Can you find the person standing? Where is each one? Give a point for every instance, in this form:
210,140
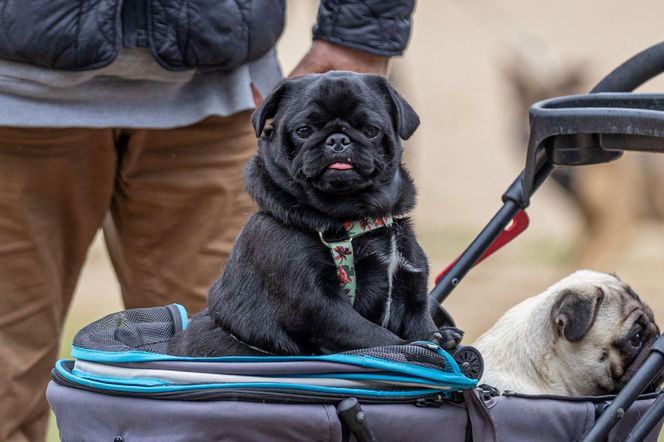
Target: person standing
134,115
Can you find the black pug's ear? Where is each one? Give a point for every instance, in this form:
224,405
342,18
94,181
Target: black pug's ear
575,312
268,108
406,119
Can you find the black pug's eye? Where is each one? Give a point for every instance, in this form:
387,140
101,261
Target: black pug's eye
635,340
304,132
370,131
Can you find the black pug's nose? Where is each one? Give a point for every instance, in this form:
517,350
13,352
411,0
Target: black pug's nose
337,142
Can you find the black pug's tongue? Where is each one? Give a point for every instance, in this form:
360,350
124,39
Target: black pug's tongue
340,166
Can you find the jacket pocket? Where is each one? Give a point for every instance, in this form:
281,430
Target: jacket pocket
213,33
59,34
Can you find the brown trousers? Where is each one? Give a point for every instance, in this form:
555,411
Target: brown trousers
170,201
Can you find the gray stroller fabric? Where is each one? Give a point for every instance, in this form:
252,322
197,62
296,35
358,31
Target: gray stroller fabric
542,419
88,416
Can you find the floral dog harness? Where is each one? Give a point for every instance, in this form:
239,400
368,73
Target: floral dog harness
342,251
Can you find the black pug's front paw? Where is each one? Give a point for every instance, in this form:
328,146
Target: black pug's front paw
447,338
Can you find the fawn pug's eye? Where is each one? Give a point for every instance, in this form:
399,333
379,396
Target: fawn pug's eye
304,132
370,131
636,338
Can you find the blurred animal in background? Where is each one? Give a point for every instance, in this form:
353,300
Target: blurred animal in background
612,199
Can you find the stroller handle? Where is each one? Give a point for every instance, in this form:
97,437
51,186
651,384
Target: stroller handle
597,127
593,128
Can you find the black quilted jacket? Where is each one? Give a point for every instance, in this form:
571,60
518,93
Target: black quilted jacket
181,34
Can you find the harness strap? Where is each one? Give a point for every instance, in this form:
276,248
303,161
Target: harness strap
342,251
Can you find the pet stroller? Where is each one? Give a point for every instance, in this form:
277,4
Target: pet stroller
122,386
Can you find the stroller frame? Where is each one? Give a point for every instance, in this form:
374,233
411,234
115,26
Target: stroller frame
580,130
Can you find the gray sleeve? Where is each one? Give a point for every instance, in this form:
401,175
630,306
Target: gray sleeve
381,27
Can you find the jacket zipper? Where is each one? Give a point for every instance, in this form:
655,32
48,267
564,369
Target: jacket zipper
135,23
142,23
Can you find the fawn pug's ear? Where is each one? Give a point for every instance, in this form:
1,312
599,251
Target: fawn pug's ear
575,312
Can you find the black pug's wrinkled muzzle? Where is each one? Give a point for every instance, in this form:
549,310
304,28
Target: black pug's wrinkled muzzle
343,161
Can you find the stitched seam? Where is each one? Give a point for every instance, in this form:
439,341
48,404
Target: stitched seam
383,42
590,421
329,421
183,13
3,27
108,39
165,10
248,21
187,39
245,22
335,18
79,15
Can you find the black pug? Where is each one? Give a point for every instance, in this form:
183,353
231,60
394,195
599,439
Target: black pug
331,157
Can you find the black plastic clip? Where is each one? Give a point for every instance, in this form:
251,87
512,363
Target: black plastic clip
352,415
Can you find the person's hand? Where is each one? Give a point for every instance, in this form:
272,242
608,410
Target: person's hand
324,56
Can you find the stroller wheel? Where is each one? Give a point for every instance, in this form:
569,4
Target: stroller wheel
470,361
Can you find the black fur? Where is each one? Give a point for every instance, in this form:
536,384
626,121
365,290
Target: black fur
279,292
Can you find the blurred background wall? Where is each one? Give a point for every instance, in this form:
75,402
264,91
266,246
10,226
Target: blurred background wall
471,70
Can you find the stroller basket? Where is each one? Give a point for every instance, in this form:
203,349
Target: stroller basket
122,370
127,352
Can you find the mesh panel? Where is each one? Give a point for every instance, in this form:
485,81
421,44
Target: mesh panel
145,329
406,354
150,329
